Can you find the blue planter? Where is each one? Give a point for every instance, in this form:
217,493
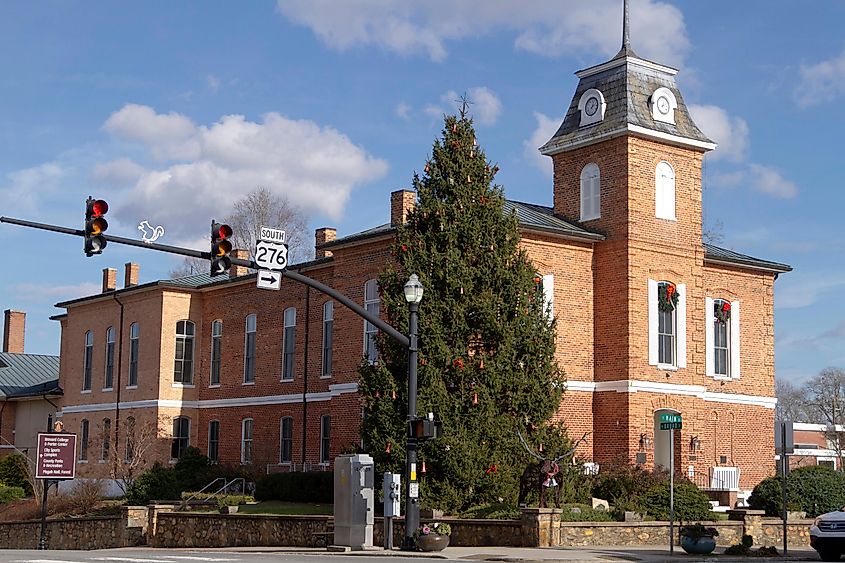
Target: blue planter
702,546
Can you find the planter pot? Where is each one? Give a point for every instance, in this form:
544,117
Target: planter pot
432,542
228,510
702,546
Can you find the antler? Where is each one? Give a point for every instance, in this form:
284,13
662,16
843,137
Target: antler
527,448
574,447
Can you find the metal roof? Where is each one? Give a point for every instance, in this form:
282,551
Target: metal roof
23,375
540,217
717,254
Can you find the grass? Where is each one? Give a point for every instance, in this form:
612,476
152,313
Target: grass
287,508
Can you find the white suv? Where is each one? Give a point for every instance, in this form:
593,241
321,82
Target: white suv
827,535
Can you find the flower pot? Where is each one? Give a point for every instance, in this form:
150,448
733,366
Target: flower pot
701,546
432,542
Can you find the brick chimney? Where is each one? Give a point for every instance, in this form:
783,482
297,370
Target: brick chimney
401,203
14,325
321,237
235,270
130,274
109,279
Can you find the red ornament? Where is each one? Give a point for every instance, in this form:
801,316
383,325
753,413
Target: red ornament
387,449
454,128
726,306
458,363
492,469
481,364
404,248
427,168
475,398
422,469
541,447
393,395
378,394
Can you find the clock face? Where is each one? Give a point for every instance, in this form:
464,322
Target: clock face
592,106
663,105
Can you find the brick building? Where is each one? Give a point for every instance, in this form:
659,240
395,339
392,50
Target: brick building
650,319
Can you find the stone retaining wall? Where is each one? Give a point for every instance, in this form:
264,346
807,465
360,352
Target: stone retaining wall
77,533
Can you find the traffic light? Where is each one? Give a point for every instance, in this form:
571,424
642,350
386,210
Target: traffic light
220,248
95,225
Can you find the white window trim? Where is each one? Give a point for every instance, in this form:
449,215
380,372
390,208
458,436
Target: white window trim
247,332
680,327
587,198
733,351
285,327
735,340
251,441
549,296
211,354
367,302
662,208
673,105
323,342
582,102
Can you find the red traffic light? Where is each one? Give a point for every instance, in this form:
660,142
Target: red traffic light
95,226
223,231
99,207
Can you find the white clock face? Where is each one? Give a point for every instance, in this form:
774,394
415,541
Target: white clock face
592,106
663,105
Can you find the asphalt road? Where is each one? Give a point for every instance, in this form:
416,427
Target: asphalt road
135,555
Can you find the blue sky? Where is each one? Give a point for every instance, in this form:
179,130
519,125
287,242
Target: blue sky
171,111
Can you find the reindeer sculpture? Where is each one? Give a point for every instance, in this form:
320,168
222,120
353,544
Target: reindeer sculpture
540,475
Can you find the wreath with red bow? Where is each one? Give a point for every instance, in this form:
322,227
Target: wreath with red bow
723,312
667,297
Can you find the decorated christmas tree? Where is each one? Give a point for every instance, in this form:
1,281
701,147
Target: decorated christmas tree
487,368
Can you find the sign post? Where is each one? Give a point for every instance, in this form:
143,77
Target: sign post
56,462
671,422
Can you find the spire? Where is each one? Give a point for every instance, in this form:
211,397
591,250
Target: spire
626,50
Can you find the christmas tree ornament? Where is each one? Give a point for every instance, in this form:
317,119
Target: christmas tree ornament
422,469
378,394
388,448
475,398
481,364
541,447
393,395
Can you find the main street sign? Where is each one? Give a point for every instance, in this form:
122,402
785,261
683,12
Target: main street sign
670,421
56,456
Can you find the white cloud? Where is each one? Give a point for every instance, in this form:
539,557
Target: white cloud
803,290
402,110
730,132
546,27
315,167
546,127
484,105
34,292
24,185
821,82
122,172
767,180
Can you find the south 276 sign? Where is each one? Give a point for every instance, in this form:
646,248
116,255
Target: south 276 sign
56,456
271,252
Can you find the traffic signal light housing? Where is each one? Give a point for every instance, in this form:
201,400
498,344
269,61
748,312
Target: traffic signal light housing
95,225
220,248
426,428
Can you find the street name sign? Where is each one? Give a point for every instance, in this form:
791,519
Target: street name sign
268,279
670,421
56,456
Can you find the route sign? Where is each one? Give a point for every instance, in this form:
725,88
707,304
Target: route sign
670,421
271,255
56,456
268,279
272,235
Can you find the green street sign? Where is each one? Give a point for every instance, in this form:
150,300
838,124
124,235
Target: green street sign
670,421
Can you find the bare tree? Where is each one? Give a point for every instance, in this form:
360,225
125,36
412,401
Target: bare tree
714,233
826,395
793,403
128,452
259,208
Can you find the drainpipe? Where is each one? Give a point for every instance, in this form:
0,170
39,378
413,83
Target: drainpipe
305,372
54,405
118,380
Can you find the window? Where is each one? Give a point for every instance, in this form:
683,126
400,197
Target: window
109,380
289,344
371,304
547,285
104,452
83,440
590,193
667,348
183,369
722,338
325,438
89,356
328,322
249,350
665,191
213,440
216,342
129,455
134,336
286,445
246,441
181,436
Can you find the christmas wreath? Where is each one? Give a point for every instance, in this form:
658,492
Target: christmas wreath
723,312
667,297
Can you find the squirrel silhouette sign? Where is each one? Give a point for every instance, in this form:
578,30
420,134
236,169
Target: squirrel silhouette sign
149,233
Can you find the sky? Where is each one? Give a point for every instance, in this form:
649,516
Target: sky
171,111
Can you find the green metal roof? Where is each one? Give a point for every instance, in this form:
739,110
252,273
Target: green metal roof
717,254
23,375
540,217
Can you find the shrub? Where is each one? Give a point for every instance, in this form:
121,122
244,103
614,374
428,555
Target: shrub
583,513
9,494
157,483
620,482
814,489
14,472
494,511
222,499
690,502
310,486
192,470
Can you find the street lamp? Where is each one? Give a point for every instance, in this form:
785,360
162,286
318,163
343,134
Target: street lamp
413,295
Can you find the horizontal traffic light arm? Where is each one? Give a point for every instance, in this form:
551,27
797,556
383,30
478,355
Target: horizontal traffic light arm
295,276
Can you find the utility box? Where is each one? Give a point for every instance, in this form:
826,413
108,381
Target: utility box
353,501
392,490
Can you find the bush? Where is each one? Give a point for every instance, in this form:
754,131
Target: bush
620,482
494,511
14,472
192,470
583,513
814,489
10,494
157,483
690,502
310,486
222,499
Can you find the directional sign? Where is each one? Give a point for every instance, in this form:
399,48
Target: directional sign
56,456
271,235
271,255
268,279
670,421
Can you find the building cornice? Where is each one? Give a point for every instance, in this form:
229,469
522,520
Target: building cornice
551,148
698,391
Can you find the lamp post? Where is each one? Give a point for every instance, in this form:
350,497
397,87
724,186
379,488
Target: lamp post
413,295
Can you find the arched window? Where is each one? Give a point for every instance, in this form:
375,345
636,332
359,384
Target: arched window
722,338
371,304
286,440
183,368
181,436
83,440
214,441
249,349
590,192
216,352
134,338
665,191
108,382
666,324
246,441
328,326
289,344
86,362
104,451
325,438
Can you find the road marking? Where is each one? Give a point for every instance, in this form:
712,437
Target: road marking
196,558
45,561
163,559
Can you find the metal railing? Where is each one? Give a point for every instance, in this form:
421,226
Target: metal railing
718,479
229,487
294,467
